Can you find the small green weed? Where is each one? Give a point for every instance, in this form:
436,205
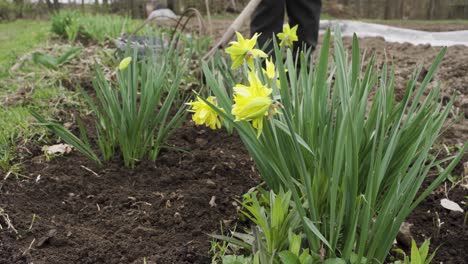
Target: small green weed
418,255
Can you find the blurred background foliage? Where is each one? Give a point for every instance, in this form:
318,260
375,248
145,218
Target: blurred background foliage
373,9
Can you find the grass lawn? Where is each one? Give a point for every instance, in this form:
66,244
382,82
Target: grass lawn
18,38
16,124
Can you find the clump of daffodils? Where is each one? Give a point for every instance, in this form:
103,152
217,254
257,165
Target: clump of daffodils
288,36
253,102
204,114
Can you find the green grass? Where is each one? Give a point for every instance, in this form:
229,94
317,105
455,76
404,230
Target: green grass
17,126
18,38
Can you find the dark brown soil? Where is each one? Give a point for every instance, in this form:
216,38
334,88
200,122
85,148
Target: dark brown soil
160,210
451,234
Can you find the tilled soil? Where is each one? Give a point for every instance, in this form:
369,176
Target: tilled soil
447,229
161,211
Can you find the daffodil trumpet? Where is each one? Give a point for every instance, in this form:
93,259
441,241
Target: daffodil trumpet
204,114
253,102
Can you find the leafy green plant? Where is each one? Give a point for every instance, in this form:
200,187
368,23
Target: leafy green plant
418,255
70,25
233,259
52,62
60,21
73,30
136,115
273,238
103,27
334,135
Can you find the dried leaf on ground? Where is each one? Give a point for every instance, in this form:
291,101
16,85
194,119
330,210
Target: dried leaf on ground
58,149
451,205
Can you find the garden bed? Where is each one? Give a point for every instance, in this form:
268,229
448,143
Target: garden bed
69,211
159,211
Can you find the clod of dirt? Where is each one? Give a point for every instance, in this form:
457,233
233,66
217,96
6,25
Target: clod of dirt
201,141
43,240
177,217
404,236
213,201
211,183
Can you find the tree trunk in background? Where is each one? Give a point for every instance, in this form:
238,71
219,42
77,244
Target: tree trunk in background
465,10
134,9
56,5
401,9
49,5
19,4
430,9
96,5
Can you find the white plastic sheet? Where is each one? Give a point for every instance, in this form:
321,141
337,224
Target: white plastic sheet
395,34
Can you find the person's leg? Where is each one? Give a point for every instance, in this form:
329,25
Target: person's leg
306,14
268,19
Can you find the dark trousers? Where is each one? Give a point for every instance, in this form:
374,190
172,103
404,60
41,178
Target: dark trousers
268,19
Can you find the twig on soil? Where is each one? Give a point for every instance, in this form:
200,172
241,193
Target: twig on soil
29,248
437,225
88,169
32,222
7,220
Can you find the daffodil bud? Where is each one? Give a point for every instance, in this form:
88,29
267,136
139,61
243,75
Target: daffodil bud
124,63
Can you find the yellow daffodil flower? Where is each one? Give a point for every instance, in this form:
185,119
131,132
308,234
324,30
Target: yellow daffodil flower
243,50
270,71
124,63
252,103
288,36
204,114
